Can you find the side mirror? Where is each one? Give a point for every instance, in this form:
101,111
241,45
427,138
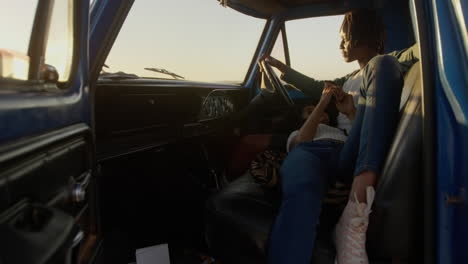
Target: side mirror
49,74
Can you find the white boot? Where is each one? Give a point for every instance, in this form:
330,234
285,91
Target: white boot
350,231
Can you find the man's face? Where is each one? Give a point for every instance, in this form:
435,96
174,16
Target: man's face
346,49
351,53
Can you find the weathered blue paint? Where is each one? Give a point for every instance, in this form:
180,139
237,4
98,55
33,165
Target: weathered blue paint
452,131
26,114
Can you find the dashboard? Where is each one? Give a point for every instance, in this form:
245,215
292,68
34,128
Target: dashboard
134,115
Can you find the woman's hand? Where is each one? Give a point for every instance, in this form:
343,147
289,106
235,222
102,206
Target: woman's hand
327,95
273,62
330,89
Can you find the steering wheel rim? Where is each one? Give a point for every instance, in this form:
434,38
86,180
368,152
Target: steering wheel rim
275,81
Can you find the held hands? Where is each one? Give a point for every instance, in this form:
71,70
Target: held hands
346,105
327,94
344,101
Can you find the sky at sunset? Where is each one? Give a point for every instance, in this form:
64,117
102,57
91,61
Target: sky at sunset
16,18
198,39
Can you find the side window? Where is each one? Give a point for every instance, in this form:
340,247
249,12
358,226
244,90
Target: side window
16,22
314,47
279,50
16,26
177,39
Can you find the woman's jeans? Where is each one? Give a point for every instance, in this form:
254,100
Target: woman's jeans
310,166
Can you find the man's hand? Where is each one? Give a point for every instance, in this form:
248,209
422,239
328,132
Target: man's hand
345,104
273,62
344,101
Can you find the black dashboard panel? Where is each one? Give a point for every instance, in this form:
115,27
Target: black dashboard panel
132,115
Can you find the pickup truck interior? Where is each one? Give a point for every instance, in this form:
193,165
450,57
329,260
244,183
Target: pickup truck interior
163,146
126,124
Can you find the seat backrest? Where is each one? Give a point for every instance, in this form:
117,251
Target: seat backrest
393,227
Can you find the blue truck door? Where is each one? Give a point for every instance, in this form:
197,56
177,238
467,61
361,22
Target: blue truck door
46,139
451,57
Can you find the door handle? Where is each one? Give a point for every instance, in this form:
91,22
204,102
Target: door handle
78,190
77,239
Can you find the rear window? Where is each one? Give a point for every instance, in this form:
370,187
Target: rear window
314,47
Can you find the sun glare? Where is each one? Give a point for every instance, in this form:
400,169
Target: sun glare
13,65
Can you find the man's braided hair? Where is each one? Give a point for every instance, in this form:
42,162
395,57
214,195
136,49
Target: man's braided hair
364,27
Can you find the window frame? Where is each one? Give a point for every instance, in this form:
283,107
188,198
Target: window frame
37,49
280,29
285,43
249,76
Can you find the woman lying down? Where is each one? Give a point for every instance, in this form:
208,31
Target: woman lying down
326,141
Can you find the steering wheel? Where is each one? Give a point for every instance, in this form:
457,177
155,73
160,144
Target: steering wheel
276,83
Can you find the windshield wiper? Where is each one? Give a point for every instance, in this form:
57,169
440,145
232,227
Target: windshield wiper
164,71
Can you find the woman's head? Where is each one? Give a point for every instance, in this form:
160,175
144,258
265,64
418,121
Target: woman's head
363,34
307,110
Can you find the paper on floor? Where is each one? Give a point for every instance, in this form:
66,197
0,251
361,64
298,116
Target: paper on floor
158,254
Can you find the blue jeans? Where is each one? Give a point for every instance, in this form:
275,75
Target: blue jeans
308,168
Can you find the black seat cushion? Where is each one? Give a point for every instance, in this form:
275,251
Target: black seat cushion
240,218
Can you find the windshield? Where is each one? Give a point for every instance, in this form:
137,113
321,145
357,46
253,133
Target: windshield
185,40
